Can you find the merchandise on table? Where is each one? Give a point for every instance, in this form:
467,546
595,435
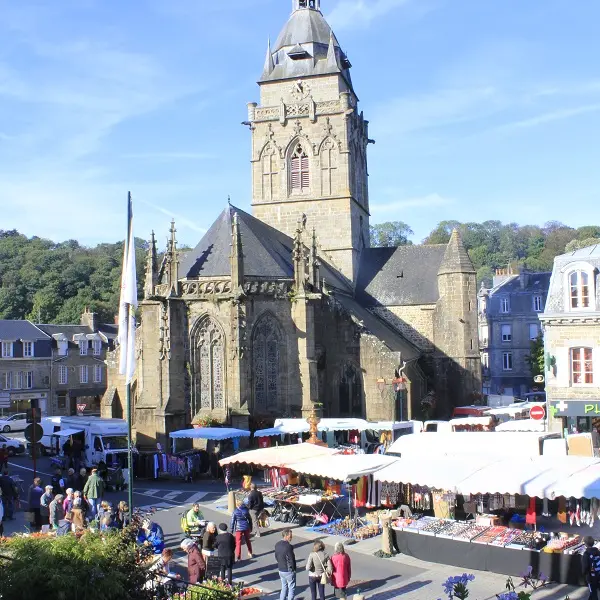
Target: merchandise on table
455,528
489,535
435,527
419,524
506,537
532,540
564,543
404,522
471,532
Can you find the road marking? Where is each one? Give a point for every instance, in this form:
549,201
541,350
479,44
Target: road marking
28,469
157,506
196,497
149,492
172,495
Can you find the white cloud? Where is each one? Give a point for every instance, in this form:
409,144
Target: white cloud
549,117
168,156
360,13
428,201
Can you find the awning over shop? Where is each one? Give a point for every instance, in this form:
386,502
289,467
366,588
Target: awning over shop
210,433
280,456
471,421
67,432
522,425
514,409
343,467
299,426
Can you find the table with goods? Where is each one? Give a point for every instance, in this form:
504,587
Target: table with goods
483,545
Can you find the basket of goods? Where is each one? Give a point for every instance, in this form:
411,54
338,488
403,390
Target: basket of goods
369,531
251,592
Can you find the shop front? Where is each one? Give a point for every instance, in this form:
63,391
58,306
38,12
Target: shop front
18,402
577,416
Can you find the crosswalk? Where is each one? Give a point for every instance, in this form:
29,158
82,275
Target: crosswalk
164,499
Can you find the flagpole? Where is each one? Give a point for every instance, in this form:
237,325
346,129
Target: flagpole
129,443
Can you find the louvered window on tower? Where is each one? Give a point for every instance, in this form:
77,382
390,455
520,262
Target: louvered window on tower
300,179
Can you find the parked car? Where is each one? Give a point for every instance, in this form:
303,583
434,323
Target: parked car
16,422
12,446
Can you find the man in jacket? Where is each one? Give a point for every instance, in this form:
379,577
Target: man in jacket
590,566
256,505
194,518
56,511
93,491
241,525
225,547
286,565
9,495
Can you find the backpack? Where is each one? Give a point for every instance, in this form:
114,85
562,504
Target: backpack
595,564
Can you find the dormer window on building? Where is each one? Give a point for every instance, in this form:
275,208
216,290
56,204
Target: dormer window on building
83,347
7,349
97,347
27,349
299,171
581,289
504,305
62,343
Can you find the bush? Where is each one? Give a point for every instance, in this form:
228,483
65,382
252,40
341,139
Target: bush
93,567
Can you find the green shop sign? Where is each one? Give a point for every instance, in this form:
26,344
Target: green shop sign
575,408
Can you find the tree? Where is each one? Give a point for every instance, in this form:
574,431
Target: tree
578,244
441,234
535,360
390,234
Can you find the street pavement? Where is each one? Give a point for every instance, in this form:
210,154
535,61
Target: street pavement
378,579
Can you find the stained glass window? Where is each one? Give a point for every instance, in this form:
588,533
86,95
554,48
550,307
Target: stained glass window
209,388
268,370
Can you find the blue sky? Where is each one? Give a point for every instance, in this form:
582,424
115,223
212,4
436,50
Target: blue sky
480,110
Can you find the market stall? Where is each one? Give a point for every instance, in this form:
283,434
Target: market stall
471,424
278,456
208,433
522,425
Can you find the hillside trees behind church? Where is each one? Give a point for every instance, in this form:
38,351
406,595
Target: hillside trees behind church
53,282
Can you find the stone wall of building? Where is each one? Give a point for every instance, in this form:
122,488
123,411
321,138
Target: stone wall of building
415,322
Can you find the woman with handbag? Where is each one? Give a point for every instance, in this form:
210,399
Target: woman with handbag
319,570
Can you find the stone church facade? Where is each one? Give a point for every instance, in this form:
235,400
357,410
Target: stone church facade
274,311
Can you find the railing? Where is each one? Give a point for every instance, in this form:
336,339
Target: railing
163,587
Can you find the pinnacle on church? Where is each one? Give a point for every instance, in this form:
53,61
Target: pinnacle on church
456,259
269,65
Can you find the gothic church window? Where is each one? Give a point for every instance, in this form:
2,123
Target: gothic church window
268,365
328,167
350,392
209,356
269,173
299,172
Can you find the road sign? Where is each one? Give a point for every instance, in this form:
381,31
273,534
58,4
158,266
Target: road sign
33,433
537,413
4,399
81,408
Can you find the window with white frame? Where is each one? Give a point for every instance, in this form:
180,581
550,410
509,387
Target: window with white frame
97,373
538,305
63,347
63,375
582,368
7,349
484,333
83,347
7,380
579,289
534,331
97,347
28,380
83,374
504,305
27,349
506,333
18,380
485,360
507,361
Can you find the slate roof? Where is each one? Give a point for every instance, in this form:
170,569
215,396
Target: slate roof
303,27
406,275
535,282
68,330
456,259
20,330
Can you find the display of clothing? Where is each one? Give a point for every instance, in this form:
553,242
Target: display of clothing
373,492
360,493
530,515
561,515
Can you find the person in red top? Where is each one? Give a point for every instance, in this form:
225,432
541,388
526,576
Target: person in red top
342,571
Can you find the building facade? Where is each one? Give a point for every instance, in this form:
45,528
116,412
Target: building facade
508,323
571,322
54,367
274,311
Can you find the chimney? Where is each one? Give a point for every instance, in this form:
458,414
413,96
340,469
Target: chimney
502,275
89,319
523,277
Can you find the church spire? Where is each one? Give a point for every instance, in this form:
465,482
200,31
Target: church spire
332,62
313,4
456,259
237,256
313,262
172,261
269,65
299,257
151,268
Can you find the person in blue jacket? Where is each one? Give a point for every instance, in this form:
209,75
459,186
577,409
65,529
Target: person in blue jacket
152,534
241,526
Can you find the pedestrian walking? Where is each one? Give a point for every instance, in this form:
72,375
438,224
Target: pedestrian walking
68,501
45,500
33,498
342,571
93,491
256,505
10,495
590,566
318,566
241,525
196,567
286,565
225,545
71,481
56,512
77,514
208,539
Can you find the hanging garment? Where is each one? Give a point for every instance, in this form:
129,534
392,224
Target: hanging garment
530,516
264,442
545,509
360,493
373,492
561,515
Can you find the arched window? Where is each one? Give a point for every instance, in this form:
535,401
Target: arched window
328,167
350,390
268,352
269,173
579,289
208,365
582,366
299,173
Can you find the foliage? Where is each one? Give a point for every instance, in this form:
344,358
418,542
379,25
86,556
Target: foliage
528,580
456,587
94,567
391,233
206,422
578,244
213,589
535,360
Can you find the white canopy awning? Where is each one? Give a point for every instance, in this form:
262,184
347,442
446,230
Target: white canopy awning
280,456
514,409
584,484
522,425
284,428
210,433
301,425
471,421
67,432
343,467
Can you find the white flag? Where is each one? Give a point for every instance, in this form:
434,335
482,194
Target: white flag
128,302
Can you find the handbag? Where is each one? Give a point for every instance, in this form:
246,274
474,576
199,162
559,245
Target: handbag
325,577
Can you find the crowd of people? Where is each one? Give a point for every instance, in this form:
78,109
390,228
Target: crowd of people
73,503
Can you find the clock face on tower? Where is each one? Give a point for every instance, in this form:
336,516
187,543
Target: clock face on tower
300,90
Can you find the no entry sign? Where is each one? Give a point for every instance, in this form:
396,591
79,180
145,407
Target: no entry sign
537,413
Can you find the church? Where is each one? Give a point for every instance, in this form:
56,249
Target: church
287,307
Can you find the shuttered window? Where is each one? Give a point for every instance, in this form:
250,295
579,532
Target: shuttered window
300,177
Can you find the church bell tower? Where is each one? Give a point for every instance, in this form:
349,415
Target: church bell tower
309,140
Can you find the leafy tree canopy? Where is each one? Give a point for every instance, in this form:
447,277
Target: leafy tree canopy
391,233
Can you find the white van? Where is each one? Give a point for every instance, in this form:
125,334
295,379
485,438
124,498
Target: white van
49,426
